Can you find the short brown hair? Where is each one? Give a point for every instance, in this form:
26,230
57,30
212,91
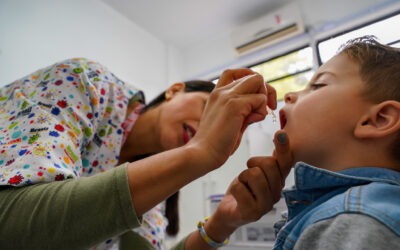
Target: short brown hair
380,71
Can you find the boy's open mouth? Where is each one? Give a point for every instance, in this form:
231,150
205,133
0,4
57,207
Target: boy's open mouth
282,118
188,133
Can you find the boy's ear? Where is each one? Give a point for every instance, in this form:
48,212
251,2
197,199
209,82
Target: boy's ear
174,89
382,120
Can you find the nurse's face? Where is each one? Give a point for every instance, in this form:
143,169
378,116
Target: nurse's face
179,117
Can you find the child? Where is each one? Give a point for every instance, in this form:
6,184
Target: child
344,131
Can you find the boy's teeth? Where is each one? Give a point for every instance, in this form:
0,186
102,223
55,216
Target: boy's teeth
189,132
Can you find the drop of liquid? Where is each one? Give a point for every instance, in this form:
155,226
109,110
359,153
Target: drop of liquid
271,112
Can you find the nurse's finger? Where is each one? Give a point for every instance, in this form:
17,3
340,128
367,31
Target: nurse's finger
230,75
250,84
272,174
283,153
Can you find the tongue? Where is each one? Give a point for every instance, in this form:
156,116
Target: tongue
185,136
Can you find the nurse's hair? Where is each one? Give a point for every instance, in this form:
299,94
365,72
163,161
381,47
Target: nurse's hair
190,86
380,72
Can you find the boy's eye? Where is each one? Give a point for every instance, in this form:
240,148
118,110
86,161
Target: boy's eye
315,86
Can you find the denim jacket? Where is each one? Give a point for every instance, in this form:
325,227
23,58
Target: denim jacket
320,194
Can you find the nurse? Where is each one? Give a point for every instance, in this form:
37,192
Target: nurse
69,173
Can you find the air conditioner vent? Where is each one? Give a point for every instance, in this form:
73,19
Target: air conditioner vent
270,29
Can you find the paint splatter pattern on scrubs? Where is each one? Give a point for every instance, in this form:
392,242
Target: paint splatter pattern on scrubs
61,122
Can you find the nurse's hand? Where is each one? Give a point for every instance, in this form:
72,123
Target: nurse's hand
239,99
254,192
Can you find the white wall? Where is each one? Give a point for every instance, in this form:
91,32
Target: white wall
174,64
37,33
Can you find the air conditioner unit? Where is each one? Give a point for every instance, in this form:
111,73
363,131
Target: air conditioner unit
275,27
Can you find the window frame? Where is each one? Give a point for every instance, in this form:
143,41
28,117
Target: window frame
284,54
353,28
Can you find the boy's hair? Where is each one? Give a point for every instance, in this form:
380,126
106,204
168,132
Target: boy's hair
380,71
379,67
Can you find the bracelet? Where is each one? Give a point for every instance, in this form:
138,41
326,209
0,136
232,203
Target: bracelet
207,239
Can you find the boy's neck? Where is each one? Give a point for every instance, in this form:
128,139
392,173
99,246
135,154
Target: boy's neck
363,154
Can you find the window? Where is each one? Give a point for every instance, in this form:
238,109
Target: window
395,44
289,72
386,30
293,70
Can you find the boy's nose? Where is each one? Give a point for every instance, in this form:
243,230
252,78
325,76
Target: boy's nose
290,97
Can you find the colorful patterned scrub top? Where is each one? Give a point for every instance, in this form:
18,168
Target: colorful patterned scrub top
63,122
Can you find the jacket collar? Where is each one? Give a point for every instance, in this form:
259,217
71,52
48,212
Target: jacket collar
312,184
310,177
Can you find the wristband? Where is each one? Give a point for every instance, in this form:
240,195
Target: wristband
208,240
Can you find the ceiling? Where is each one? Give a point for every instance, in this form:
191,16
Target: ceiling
182,23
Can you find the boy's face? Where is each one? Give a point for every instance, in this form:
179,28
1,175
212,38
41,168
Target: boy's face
320,119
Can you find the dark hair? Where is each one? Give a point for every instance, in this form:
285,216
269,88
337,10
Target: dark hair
379,67
190,86
380,71
171,204
172,214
